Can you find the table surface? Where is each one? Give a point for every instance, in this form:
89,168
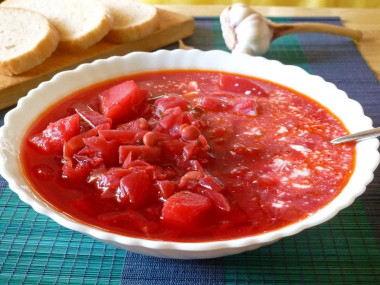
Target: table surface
366,20
345,250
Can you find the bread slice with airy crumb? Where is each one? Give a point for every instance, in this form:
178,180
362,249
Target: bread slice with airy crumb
133,20
80,23
26,40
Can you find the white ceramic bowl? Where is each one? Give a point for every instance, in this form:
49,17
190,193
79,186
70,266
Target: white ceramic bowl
350,112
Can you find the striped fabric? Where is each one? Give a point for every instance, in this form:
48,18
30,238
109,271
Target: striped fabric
345,250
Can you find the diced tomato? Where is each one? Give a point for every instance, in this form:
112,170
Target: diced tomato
142,152
214,104
52,139
185,210
167,102
108,150
238,84
122,101
76,142
134,188
90,116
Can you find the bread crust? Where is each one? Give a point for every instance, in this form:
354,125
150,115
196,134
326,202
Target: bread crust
142,25
35,54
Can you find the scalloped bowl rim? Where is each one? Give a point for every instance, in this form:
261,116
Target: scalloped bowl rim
349,111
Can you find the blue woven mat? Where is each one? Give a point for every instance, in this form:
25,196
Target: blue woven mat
345,250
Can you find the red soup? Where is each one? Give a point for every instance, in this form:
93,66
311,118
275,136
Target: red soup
187,156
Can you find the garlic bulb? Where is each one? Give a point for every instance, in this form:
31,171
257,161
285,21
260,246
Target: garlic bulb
247,31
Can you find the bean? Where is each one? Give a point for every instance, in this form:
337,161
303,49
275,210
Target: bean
190,133
150,139
143,124
181,127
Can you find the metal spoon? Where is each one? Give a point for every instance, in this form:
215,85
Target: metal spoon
372,133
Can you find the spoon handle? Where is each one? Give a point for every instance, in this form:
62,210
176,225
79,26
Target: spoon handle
280,30
372,133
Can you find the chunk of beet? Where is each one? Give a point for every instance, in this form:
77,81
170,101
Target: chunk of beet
211,183
108,150
90,116
239,84
185,210
122,136
143,152
166,188
167,102
213,104
52,139
172,120
173,148
245,107
134,188
79,167
76,143
122,101
216,198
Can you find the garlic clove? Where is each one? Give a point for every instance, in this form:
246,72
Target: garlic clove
245,30
227,29
254,41
237,13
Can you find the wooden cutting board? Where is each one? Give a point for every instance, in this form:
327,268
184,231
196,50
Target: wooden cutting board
173,27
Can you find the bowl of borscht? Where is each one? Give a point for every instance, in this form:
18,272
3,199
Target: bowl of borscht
186,154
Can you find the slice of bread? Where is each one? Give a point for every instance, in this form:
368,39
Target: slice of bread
133,20
26,40
80,23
